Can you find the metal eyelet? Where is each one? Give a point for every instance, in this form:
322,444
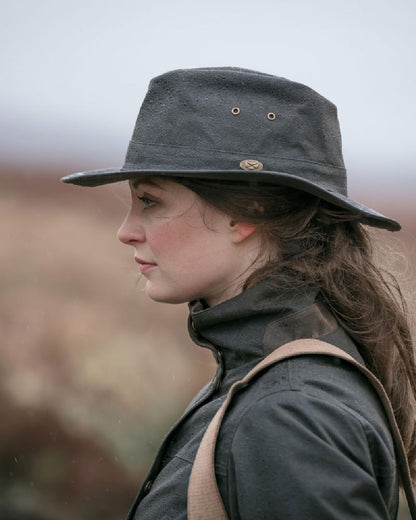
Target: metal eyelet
235,111
271,116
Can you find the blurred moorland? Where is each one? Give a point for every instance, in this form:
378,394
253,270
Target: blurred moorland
92,372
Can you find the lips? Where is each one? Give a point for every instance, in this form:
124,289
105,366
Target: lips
144,265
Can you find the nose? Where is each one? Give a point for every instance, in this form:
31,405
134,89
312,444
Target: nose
131,231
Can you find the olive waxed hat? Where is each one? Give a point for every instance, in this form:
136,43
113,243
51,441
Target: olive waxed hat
238,125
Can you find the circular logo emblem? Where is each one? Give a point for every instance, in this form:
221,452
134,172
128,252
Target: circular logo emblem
251,164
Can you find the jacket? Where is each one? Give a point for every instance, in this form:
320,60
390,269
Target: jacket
307,439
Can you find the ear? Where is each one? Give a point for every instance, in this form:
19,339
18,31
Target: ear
241,230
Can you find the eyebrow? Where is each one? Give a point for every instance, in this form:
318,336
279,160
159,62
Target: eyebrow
136,182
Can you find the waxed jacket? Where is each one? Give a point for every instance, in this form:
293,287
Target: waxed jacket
307,439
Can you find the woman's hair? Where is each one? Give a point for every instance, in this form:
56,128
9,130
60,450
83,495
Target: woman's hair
325,246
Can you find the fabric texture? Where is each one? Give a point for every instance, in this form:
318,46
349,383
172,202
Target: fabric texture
307,439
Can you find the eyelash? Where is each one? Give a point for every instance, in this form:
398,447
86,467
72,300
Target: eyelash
148,202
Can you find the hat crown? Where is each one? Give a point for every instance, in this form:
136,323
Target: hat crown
244,112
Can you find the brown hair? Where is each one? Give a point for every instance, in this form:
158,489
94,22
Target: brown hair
327,247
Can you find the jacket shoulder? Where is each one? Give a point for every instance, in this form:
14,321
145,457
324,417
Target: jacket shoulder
307,424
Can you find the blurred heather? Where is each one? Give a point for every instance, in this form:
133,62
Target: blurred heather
92,374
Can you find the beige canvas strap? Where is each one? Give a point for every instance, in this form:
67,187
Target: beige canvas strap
204,499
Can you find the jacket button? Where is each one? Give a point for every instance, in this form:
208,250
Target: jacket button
147,487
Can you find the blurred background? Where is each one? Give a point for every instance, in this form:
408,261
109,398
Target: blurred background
92,373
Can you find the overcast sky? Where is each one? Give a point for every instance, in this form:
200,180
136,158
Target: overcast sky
74,72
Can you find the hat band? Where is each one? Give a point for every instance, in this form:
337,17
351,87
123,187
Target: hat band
149,156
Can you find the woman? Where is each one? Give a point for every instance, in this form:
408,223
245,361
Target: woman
240,207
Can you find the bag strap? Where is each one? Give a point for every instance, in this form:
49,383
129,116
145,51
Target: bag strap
204,499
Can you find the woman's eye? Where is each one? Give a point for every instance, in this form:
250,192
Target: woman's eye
146,201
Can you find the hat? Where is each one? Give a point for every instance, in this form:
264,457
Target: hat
239,125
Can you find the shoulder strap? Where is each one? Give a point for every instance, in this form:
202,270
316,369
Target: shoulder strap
204,499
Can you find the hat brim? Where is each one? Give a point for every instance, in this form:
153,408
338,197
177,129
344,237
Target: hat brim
110,175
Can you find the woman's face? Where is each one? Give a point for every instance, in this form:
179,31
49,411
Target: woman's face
186,249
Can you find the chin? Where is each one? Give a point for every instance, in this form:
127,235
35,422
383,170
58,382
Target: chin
166,297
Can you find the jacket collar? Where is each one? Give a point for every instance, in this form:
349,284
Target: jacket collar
252,324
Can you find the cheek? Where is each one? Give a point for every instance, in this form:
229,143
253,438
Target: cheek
186,245
169,238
